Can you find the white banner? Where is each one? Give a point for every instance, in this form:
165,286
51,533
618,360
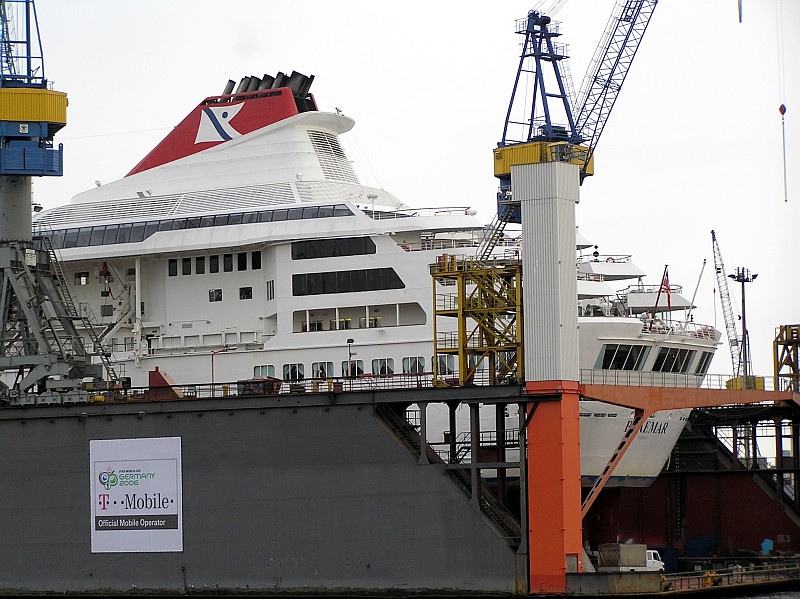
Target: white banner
136,490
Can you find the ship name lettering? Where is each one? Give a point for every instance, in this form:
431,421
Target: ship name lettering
657,428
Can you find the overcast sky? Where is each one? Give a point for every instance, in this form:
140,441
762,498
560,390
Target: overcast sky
694,142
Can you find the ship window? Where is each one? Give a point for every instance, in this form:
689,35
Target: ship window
172,268
200,265
293,372
227,262
328,248
704,363
207,221
241,261
220,220
81,278
234,219
372,279
256,260
383,366
178,224
322,370
151,228
295,214
213,263
325,211
356,368
279,214
186,266
110,235
340,324
96,236
672,359
310,211
245,293
312,325
215,295
265,216
57,239
71,238
250,217
342,210
137,232
414,365
264,370
369,323
270,290
124,234
165,225
622,357
193,222
446,364
84,234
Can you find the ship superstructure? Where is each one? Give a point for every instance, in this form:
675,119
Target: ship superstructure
244,246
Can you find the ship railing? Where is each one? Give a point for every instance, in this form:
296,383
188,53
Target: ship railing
423,212
610,258
737,575
636,378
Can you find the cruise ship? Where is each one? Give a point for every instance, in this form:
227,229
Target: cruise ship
244,247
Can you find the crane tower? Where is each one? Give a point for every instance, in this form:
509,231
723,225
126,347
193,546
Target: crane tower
41,347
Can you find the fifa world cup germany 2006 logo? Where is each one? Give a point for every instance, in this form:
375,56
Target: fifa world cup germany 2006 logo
108,478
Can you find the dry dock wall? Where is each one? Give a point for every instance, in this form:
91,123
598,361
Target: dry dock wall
299,497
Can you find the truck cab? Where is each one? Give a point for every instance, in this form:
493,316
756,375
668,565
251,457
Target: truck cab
654,563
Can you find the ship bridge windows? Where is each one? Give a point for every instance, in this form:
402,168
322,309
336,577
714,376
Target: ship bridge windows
139,231
703,363
673,359
619,356
330,248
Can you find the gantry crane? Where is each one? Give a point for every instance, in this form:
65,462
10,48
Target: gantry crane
735,342
40,337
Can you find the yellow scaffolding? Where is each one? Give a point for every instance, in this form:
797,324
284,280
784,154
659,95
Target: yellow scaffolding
486,300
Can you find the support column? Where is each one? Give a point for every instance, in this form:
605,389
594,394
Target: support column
548,193
554,487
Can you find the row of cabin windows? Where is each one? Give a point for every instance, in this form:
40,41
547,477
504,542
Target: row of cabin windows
669,359
213,264
345,281
325,370
136,232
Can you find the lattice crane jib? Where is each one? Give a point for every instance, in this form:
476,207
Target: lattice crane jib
40,338
728,313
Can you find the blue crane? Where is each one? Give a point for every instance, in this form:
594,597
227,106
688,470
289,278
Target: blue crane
550,124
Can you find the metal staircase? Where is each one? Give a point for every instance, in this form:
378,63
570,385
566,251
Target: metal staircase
506,524
69,308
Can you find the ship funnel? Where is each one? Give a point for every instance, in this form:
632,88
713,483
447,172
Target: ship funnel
243,84
228,87
266,82
254,83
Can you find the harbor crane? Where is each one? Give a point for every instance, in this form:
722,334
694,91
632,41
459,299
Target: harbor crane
41,341
735,341
532,132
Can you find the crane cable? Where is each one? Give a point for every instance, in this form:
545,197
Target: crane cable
782,88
